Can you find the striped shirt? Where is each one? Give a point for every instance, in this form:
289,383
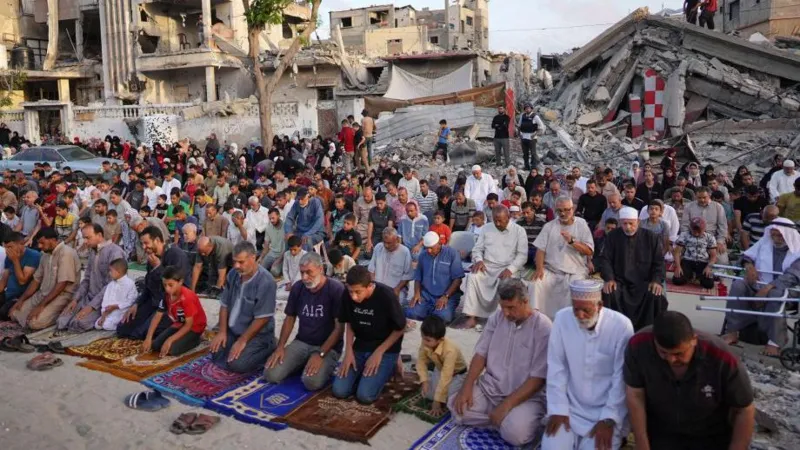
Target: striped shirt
427,203
754,226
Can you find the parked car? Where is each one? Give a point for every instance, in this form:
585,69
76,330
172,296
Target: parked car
82,162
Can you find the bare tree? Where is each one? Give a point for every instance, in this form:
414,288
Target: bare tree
260,14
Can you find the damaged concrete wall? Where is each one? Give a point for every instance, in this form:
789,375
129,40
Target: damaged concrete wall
177,86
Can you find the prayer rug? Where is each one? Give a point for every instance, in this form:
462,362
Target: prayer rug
67,340
10,329
448,435
110,349
139,367
198,381
691,289
349,420
419,406
259,402
137,266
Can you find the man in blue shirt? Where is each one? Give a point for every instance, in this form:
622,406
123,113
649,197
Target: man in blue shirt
20,265
306,219
438,278
315,304
246,335
412,228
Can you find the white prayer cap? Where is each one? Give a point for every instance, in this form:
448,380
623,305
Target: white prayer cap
478,168
430,239
514,208
628,213
588,289
788,163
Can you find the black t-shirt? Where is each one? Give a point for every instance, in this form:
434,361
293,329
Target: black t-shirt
238,200
699,404
592,207
374,319
350,238
358,137
747,207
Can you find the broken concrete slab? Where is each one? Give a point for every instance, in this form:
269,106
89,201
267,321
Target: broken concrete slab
674,109
591,118
572,101
602,94
615,64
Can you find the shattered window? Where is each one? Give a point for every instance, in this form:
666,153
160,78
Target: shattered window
347,22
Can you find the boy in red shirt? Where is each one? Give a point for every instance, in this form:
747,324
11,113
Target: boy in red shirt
347,138
186,313
440,228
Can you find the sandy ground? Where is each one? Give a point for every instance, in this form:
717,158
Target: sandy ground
75,408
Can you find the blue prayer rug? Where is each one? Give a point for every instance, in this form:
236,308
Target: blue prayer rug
259,402
448,435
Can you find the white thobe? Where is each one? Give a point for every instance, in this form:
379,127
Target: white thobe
168,186
670,216
258,219
291,266
121,293
412,186
563,263
780,183
477,190
584,378
498,250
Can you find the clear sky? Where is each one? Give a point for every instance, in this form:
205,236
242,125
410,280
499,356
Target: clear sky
516,25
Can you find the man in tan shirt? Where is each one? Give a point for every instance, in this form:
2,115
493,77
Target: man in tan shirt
368,127
53,285
216,225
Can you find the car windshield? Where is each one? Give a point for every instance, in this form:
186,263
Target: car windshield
75,154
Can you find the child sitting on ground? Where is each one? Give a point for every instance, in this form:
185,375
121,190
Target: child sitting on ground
449,366
478,220
440,228
10,217
340,264
113,229
119,296
291,260
161,207
348,240
184,311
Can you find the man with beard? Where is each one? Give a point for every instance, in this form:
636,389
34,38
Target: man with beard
315,305
562,248
246,335
306,219
586,407
632,266
160,254
686,390
778,251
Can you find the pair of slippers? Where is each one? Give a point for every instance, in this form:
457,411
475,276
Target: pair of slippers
147,401
193,423
19,344
186,423
45,361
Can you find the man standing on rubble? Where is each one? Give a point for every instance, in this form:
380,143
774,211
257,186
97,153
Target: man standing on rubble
529,127
501,124
690,8
707,16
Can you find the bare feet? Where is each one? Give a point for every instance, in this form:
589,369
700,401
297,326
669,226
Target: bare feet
730,338
771,351
470,323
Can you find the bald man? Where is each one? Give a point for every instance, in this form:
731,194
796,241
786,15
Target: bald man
214,260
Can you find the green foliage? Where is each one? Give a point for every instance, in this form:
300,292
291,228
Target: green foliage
11,81
265,12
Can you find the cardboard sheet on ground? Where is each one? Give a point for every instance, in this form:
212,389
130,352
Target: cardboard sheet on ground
405,85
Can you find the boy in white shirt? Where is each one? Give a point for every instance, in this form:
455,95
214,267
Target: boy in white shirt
10,217
119,296
291,260
478,220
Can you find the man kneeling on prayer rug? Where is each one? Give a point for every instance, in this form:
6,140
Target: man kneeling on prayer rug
585,389
509,394
777,251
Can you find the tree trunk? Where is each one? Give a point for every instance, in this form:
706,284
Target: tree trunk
265,88
52,35
263,94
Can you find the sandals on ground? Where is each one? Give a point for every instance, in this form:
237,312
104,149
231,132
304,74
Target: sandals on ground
182,423
45,361
203,423
17,344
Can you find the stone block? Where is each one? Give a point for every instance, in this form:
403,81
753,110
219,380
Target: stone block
602,94
591,118
790,104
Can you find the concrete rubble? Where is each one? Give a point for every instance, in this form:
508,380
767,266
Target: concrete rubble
777,393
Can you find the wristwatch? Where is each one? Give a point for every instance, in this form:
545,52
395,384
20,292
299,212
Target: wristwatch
572,241
608,422
321,354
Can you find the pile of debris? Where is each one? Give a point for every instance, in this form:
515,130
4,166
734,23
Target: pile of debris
777,393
